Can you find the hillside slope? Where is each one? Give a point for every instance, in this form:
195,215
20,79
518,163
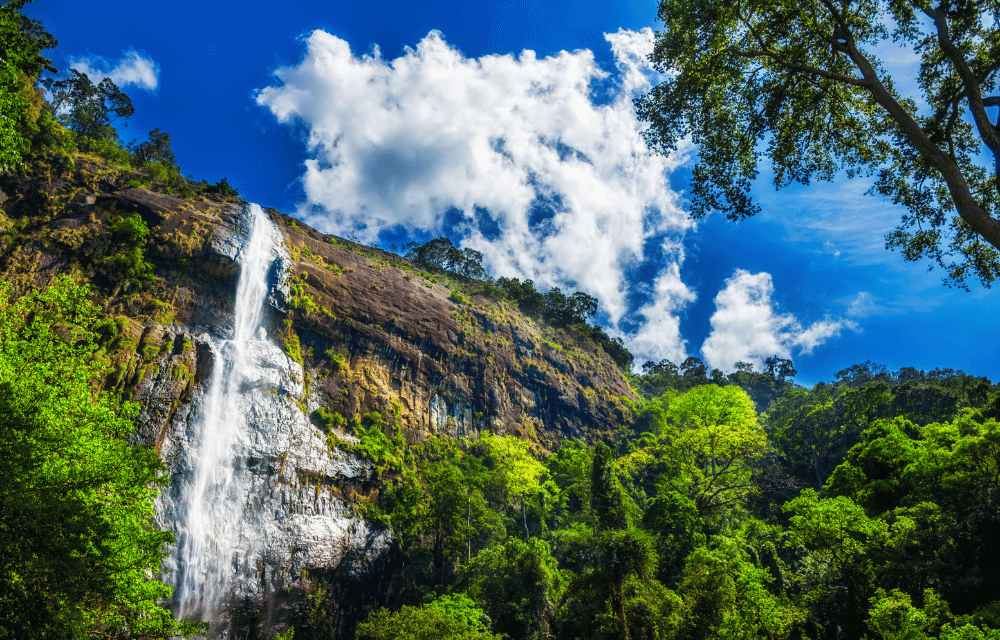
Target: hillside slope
402,343
363,338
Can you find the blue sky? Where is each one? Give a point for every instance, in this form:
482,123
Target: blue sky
394,120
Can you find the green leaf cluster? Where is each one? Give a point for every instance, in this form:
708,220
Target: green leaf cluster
803,87
78,553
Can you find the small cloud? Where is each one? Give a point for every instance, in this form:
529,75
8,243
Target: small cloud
819,332
862,305
659,336
132,68
631,50
745,326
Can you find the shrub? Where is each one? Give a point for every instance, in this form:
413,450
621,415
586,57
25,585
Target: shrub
131,231
105,148
327,420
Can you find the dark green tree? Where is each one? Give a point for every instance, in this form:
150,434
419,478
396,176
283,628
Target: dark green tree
441,254
812,430
610,503
21,42
90,109
802,85
727,595
625,599
872,474
860,375
763,387
156,149
561,310
518,585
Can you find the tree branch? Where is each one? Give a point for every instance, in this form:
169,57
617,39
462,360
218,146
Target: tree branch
967,206
801,68
987,131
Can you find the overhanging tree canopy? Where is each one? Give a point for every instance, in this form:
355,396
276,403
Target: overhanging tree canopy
801,83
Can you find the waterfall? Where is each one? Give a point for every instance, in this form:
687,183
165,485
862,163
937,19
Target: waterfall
252,502
213,499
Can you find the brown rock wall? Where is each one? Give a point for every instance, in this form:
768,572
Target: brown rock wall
440,365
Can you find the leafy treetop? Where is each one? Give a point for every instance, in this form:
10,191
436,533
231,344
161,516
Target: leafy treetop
441,254
799,83
90,109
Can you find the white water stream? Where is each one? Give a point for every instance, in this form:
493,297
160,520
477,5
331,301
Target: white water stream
248,521
211,506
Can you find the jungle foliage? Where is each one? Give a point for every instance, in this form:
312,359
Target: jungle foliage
78,555
865,507
734,505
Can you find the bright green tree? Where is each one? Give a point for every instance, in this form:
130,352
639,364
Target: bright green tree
893,617
801,84
569,468
446,618
838,539
938,485
517,477
836,529
713,439
78,553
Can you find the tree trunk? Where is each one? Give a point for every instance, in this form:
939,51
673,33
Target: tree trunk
524,518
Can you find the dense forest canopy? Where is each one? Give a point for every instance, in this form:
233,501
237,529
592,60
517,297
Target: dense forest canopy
863,507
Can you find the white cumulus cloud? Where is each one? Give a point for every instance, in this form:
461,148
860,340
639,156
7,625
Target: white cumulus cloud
537,162
745,326
132,68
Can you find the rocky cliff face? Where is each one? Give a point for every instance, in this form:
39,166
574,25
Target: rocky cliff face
353,330
414,347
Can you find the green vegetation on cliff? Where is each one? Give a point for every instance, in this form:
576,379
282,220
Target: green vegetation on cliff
78,555
78,119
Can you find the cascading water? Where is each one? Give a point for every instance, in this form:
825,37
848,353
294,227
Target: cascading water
212,504
252,500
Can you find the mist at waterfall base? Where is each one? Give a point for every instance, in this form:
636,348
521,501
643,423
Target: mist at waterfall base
245,525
